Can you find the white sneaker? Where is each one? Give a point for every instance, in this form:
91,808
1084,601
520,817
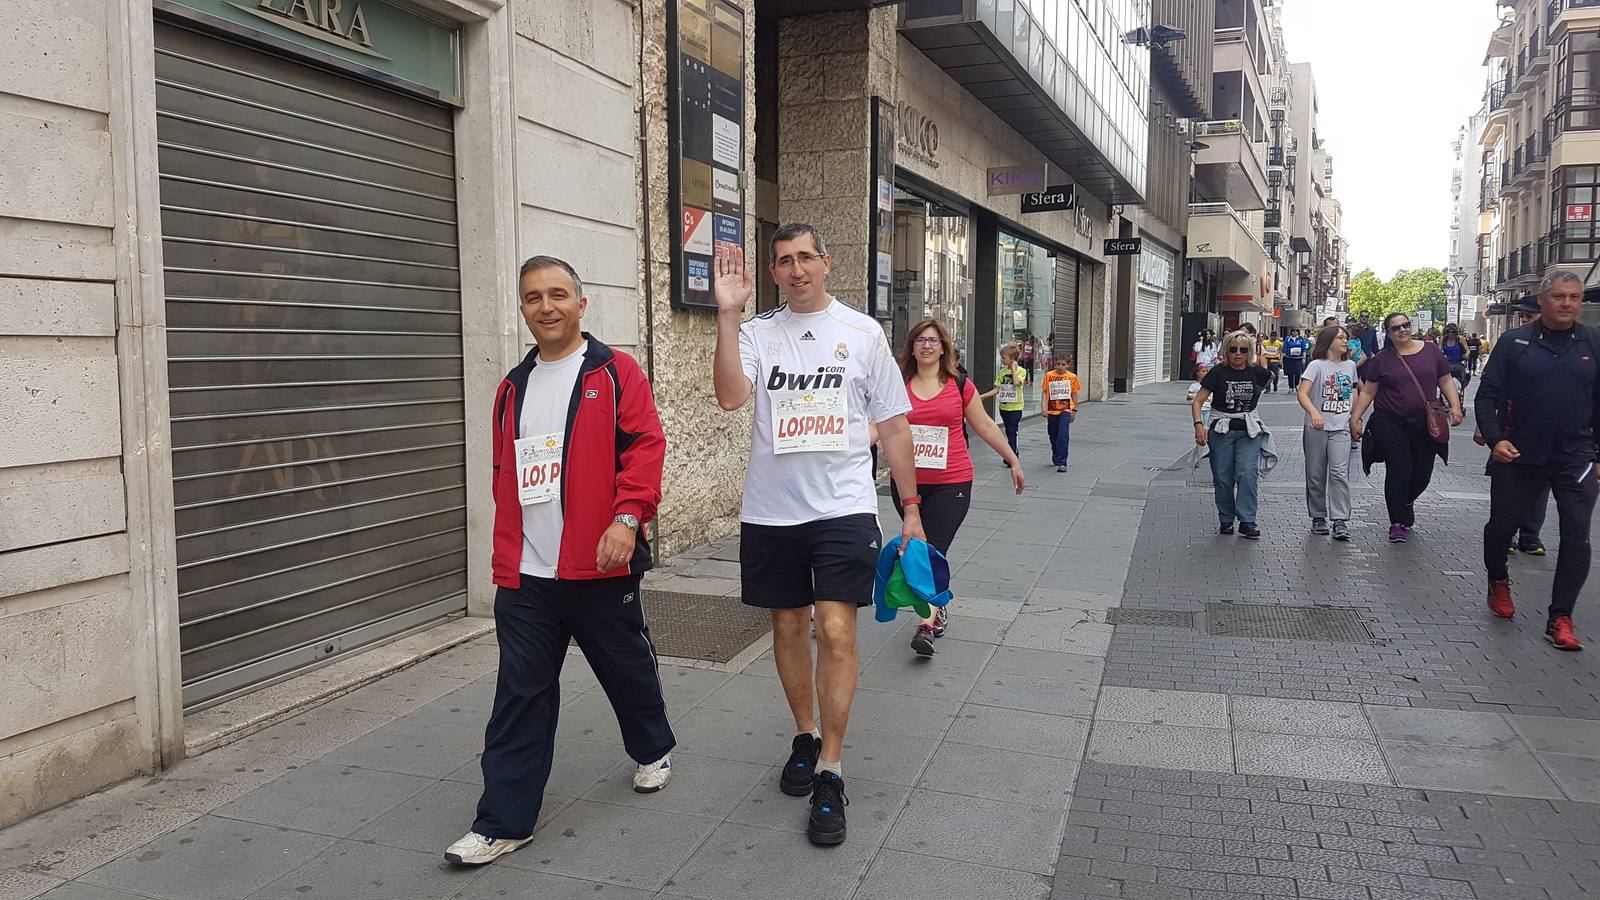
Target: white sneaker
652,777
475,850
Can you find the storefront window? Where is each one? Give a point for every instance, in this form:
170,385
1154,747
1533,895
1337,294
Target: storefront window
1027,309
932,268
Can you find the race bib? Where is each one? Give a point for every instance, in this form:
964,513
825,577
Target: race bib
932,444
809,421
1008,393
1060,390
539,468
1296,352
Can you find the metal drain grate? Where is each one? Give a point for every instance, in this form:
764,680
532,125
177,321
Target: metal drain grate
1286,623
702,626
1156,618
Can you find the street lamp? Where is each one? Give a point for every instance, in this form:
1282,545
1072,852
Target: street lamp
1458,277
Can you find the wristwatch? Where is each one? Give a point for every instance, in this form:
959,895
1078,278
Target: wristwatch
628,520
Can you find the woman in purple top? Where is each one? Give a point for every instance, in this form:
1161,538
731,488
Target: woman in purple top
1397,384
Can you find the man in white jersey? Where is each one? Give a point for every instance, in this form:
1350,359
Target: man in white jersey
819,372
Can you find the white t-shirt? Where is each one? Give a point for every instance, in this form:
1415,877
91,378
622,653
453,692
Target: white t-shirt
817,377
1206,356
544,411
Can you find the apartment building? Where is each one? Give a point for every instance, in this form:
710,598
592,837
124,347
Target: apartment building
1468,192
1542,134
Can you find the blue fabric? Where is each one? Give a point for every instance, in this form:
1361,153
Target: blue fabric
923,571
1235,469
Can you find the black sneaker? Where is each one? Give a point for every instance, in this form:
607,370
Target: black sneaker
1319,526
1249,530
827,810
1225,528
800,771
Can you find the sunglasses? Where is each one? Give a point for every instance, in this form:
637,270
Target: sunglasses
1238,349
1400,326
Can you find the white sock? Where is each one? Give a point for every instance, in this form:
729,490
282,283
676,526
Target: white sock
834,767
816,733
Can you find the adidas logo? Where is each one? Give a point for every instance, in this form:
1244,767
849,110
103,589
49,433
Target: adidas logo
807,337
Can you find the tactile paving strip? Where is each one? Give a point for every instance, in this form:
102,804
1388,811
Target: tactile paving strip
702,626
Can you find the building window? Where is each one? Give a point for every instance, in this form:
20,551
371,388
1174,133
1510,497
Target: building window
1578,74
1027,309
1572,214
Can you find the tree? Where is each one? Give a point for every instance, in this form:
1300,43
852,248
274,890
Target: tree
1368,294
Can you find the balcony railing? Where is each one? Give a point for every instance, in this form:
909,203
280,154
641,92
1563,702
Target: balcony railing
1578,111
1498,89
1558,6
1274,156
1272,218
1218,127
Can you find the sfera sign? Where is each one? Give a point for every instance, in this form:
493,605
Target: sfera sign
1052,199
1123,246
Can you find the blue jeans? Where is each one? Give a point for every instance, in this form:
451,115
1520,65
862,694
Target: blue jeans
1235,461
1059,428
1012,420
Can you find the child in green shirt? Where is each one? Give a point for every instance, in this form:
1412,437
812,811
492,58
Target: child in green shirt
1009,383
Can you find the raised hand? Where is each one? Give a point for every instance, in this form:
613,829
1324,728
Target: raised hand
733,285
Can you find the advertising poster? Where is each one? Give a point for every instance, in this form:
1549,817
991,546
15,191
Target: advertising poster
706,121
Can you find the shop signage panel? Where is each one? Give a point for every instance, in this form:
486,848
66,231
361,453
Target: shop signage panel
1054,198
1580,212
705,123
1018,179
372,37
880,221
1123,246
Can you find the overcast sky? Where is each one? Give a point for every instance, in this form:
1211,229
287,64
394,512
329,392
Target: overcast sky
1395,79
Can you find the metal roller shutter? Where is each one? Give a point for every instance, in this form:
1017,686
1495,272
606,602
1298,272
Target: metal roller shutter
1147,354
1065,321
314,347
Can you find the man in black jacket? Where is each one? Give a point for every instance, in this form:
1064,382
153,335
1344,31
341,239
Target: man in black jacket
1538,411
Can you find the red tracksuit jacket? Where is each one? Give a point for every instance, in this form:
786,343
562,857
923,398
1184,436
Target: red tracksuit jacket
611,464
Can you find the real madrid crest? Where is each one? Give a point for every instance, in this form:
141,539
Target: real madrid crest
841,352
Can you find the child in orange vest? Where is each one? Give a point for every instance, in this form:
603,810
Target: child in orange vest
1060,401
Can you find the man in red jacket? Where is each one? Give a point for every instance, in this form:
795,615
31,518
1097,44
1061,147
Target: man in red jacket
578,452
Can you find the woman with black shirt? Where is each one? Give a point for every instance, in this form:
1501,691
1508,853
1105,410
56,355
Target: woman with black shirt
1236,436
1398,384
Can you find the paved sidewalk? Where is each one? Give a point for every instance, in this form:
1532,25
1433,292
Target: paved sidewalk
959,768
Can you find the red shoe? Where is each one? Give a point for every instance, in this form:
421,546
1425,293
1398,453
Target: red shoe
1500,599
1559,634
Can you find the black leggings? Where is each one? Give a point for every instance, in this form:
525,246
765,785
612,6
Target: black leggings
944,508
1408,454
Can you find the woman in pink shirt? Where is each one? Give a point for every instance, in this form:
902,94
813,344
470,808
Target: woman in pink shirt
942,403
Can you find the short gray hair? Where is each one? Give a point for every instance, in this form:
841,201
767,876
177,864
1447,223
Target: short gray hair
535,263
795,230
1555,275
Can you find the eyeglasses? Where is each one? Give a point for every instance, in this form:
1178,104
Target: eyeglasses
802,259
1400,326
927,342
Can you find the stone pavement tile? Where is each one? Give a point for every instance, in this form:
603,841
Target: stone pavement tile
1139,705
1049,665
739,862
685,688
747,693
1557,735
1317,718
1046,597
411,746
1505,772
700,786
349,870
1163,746
950,672
396,694
885,756
1015,729
1305,756
324,799
966,628
314,733
874,806
77,890
987,832
1040,695
18,885
1084,636
616,844
986,608
468,705
209,859
69,840
204,782
903,714
577,766
1577,776
896,875
742,736
1000,775
433,819
504,883
1445,728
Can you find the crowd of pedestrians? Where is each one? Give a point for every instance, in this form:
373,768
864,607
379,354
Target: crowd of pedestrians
1537,411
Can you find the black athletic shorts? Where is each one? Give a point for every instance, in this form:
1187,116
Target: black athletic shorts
793,566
